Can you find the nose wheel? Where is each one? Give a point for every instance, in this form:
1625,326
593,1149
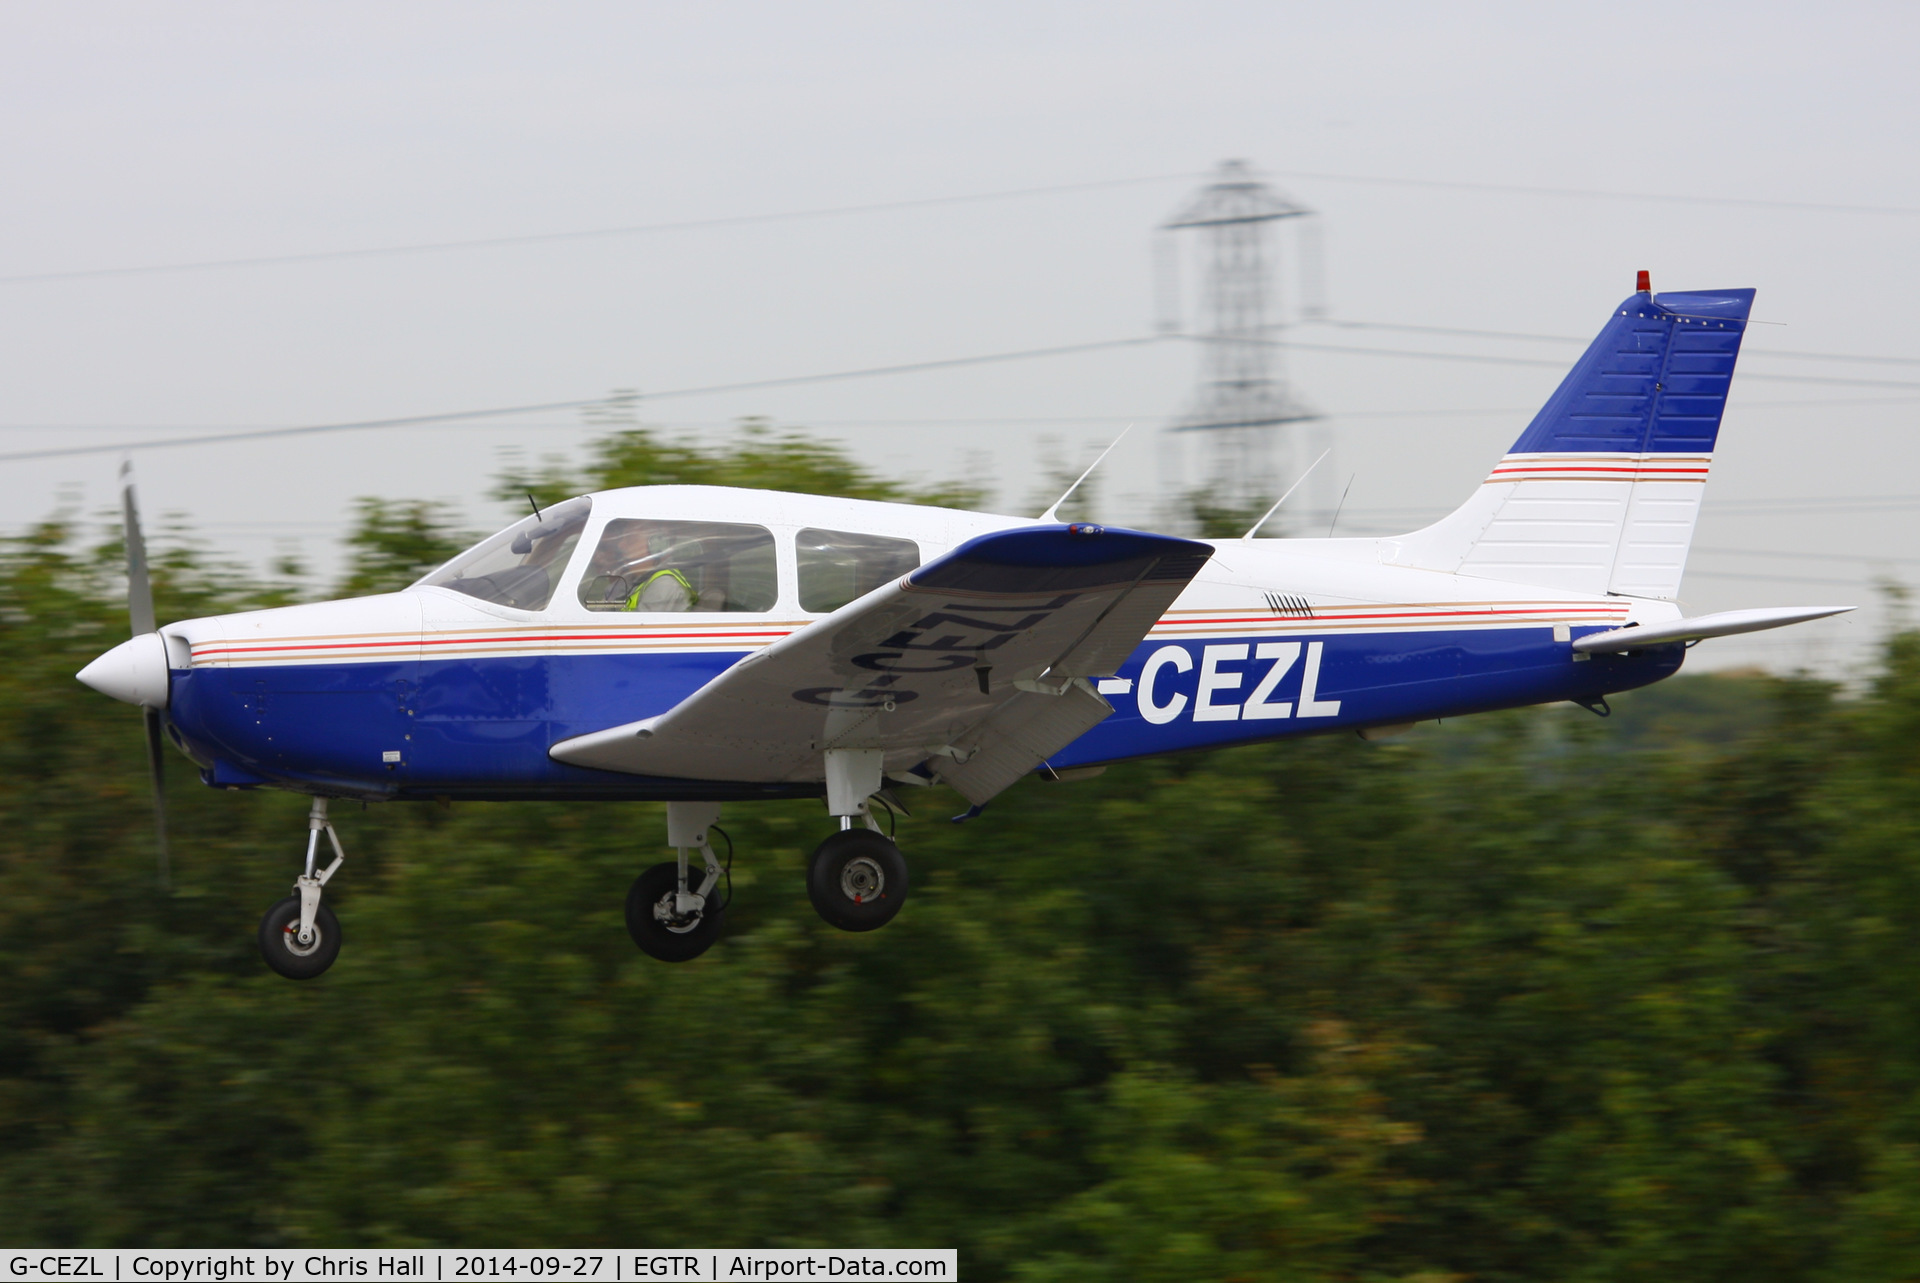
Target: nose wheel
300,937
282,947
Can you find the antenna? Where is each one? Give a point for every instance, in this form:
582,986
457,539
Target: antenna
1343,504
1048,514
534,506
1288,495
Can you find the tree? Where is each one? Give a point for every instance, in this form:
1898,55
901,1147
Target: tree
1526,996
756,458
394,542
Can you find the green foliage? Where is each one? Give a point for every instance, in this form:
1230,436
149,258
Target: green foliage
1528,996
1213,520
756,458
395,541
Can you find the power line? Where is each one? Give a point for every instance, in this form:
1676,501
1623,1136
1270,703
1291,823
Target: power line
1076,420
876,207
1800,405
802,380
1481,358
304,430
1853,558
977,421
1824,505
916,367
464,417
597,233
1569,338
1780,579
1594,193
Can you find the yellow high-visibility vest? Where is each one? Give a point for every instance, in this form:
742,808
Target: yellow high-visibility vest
633,598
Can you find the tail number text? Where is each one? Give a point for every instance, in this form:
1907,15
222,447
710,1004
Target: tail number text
1216,698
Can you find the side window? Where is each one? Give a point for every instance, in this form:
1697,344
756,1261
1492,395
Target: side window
520,566
681,566
837,567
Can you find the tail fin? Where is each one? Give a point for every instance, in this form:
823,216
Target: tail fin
1600,492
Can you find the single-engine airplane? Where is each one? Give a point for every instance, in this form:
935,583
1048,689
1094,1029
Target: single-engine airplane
703,645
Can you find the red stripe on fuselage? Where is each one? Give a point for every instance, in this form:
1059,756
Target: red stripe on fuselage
475,642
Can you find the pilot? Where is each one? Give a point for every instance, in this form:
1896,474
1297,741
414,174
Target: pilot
663,590
654,587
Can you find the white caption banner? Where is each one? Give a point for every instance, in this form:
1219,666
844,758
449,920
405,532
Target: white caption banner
453,1265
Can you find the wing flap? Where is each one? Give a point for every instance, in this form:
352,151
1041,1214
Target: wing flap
1021,734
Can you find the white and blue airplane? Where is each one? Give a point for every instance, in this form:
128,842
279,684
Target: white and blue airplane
705,645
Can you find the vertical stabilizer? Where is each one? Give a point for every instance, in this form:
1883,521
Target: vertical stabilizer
1601,491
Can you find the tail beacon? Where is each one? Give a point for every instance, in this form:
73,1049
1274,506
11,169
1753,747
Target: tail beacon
1600,493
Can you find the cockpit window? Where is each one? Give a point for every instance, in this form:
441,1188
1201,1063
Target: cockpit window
522,565
680,566
837,567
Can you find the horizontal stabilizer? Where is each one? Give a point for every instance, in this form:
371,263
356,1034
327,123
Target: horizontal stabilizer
1724,624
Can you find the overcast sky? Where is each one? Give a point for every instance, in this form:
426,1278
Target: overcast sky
145,135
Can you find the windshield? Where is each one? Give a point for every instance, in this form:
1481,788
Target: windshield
522,565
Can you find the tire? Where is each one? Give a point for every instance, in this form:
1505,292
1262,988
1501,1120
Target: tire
857,880
284,954
656,938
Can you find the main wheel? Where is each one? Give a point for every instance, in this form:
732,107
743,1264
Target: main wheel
857,880
671,938
281,947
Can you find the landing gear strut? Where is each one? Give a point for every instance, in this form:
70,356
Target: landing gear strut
672,914
856,879
300,937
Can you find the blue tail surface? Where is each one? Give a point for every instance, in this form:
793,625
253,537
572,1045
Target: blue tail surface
1654,381
1601,492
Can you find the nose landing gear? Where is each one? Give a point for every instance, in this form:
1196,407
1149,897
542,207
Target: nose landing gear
299,936
669,915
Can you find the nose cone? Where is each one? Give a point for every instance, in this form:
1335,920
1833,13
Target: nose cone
134,671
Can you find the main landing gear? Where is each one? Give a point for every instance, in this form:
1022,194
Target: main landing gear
300,937
856,879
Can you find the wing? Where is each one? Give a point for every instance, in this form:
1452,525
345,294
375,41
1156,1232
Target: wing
974,664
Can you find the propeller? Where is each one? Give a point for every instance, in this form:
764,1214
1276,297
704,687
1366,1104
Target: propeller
140,613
